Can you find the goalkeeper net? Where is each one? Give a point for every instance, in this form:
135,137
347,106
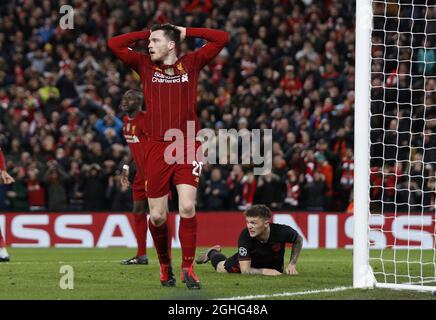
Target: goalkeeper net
402,144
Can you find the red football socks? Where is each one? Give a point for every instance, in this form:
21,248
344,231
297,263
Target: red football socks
188,240
161,242
141,233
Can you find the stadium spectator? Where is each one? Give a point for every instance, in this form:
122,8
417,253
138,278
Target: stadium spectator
315,192
247,192
56,180
75,190
269,191
215,191
35,190
108,122
234,184
426,58
326,170
18,192
347,177
120,196
293,190
94,190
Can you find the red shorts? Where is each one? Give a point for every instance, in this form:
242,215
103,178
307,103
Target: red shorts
160,174
138,188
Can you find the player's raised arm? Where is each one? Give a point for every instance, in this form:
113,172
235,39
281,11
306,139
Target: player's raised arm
216,41
120,46
5,177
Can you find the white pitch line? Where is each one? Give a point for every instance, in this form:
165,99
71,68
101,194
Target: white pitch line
287,294
91,261
57,262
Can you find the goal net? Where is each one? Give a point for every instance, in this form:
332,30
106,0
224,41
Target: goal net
396,211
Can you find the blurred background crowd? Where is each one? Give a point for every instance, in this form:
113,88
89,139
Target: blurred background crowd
289,66
403,107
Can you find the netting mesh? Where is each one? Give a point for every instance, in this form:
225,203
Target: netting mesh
403,142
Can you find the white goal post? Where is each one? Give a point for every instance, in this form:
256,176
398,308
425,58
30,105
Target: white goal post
395,145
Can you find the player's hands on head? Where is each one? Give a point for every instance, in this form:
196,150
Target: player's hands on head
182,32
292,270
6,178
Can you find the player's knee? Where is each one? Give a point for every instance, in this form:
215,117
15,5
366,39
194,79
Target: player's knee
187,208
220,267
157,210
157,220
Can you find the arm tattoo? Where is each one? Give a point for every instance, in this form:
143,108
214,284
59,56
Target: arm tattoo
296,249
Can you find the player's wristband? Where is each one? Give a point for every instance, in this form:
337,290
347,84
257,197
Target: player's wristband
126,167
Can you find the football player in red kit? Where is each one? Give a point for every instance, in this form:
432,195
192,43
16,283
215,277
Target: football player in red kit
135,135
170,90
6,179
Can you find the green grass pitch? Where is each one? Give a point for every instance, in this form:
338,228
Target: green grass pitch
35,274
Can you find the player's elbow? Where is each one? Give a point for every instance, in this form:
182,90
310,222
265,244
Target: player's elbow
226,37
112,44
299,240
221,38
245,271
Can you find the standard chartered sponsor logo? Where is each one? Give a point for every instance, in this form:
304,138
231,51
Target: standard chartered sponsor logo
161,78
131,139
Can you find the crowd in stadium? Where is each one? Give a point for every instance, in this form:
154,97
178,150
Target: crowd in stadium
289,66
403,108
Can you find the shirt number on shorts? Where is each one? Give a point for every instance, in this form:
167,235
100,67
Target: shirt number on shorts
196,171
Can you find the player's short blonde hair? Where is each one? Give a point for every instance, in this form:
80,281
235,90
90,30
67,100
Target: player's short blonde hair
258,210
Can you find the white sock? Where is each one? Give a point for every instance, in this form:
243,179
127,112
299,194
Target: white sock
3,253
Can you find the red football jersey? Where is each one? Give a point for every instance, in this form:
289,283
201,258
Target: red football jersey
36,193
135,134
2,161
171,99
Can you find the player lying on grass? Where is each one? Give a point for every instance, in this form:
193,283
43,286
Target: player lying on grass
261,247
6,179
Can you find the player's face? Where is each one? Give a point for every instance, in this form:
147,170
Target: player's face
256,226
129,104
159,46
